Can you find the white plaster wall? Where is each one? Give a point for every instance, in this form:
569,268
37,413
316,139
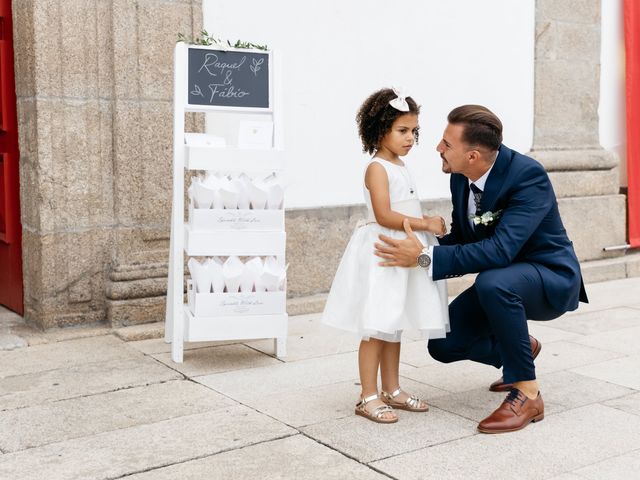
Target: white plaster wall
337,52
612,84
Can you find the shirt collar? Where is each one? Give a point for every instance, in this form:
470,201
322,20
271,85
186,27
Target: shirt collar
483,179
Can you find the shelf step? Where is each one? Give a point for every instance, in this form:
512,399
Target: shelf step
230,242
233,159
241,327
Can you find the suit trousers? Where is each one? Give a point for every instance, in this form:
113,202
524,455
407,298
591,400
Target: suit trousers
489,321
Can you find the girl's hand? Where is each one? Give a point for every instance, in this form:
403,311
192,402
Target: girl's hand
435,225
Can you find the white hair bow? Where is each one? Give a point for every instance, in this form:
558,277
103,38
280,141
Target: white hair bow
400,102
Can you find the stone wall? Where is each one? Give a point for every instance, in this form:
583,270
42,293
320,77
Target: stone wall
94,88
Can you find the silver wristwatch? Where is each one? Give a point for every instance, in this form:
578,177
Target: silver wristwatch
424,260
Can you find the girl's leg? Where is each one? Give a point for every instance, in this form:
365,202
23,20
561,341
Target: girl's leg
390,371
368,363
390,366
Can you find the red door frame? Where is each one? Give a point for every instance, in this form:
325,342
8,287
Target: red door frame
11,293
632,53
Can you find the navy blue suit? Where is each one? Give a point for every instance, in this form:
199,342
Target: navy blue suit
526,263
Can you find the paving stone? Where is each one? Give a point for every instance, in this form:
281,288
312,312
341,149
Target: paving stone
599,321
416,354
9,318
39,387
623,466
623,371
610,294
310,405
29,334
286,377
76,332
367,441
64,354
303,324
140,448
560,390
567,476
566,390
9,341
224,358
158,345
89,415
539,451
629,403
293,457
455,377
326,402
623,341
547,333
321,342
564,355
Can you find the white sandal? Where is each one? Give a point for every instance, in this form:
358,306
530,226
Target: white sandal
376,414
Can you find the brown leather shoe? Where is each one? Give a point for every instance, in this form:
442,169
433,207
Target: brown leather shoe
499,385
515,413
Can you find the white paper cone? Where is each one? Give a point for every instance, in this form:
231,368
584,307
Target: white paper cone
199,275
217,200
247,280
232,272
214,271
257,196
229,198
270,281
275,197
256,267
203,195
243,194
212,180
274,274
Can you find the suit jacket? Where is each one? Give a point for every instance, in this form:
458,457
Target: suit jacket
529,229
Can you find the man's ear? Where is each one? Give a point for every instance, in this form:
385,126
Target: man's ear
474,156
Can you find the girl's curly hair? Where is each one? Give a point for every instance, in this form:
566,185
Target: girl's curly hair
375,118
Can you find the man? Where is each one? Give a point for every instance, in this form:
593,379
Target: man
506,226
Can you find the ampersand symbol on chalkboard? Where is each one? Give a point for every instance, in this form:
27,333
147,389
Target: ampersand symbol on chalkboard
256,65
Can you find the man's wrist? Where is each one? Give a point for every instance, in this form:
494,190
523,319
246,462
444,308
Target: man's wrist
424,259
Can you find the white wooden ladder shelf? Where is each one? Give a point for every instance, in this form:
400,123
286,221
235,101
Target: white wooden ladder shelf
232,83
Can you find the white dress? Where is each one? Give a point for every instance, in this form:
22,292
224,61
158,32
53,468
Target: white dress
381,302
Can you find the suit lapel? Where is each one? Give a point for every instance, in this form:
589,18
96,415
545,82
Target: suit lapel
492,187
461,200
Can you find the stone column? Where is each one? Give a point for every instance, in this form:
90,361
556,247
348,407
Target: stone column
94,81
63,83
567,92
144,34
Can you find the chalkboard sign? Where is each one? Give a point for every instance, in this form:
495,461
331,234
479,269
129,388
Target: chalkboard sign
233,78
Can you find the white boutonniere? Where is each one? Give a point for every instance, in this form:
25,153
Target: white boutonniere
487,218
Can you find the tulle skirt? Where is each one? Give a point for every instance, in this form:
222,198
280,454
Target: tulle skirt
381,302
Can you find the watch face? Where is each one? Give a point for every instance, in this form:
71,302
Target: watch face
424,260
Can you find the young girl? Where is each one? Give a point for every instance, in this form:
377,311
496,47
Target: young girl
375,302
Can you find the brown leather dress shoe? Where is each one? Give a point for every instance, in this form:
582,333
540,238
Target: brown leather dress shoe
499,385
515,413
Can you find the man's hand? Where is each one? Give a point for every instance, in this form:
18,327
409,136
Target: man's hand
399,253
